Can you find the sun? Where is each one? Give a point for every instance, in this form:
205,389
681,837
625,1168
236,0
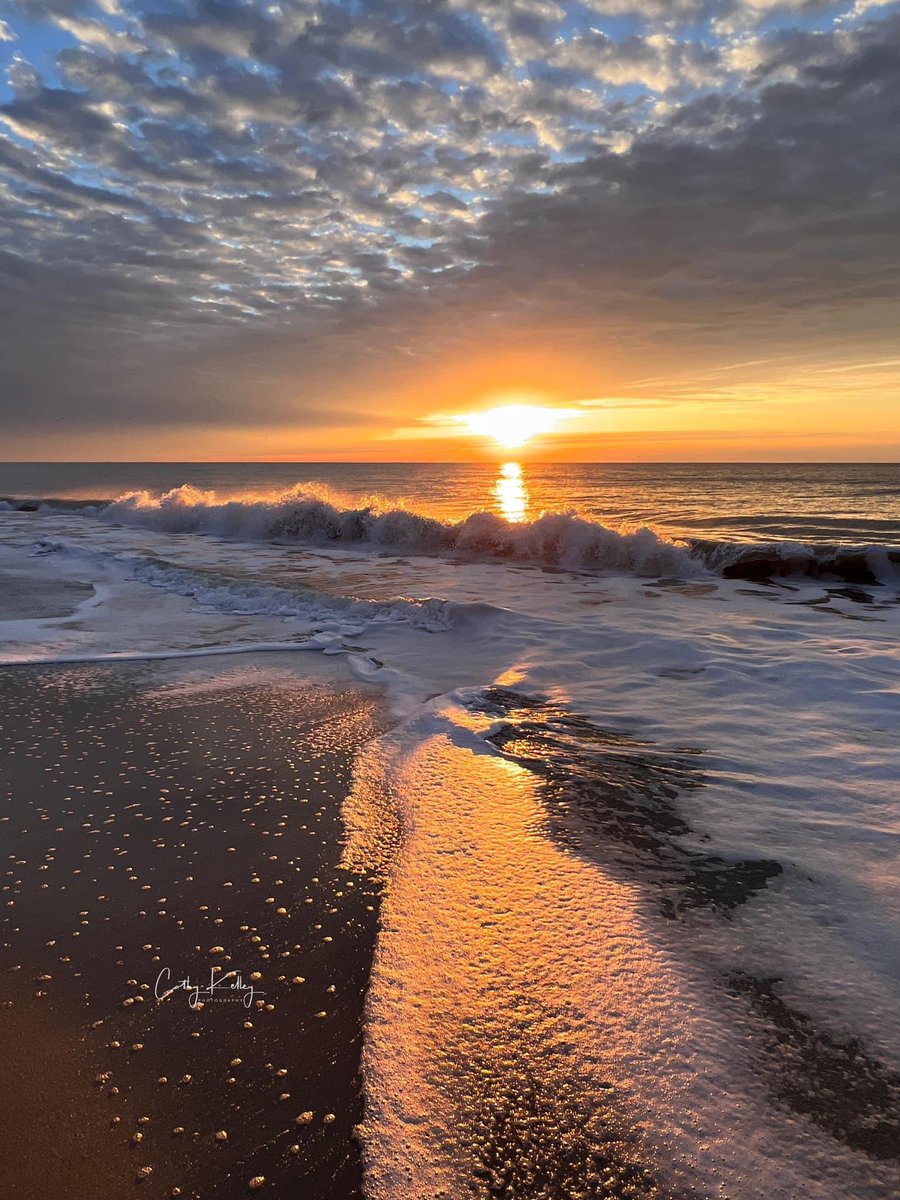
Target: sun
514,424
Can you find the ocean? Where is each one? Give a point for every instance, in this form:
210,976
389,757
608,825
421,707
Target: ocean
637,812
744,502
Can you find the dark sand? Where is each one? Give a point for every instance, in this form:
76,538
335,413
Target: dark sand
152,820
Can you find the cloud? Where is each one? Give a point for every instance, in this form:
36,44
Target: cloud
656,61
214,210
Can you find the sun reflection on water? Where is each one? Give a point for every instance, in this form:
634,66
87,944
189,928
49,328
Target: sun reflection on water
511,493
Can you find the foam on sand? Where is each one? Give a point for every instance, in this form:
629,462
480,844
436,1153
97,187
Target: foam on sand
549,1034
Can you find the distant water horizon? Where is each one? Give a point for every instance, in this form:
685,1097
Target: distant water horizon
810,503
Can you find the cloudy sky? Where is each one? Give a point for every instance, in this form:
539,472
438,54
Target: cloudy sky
311,229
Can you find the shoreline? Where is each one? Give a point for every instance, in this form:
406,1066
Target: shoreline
580,958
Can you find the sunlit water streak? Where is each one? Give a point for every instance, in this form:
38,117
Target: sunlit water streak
511,493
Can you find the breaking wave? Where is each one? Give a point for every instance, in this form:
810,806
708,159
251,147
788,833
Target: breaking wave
317,516
769,560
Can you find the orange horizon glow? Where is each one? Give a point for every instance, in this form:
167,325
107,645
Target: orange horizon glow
543,408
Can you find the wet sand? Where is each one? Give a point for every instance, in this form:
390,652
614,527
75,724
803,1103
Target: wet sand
181,818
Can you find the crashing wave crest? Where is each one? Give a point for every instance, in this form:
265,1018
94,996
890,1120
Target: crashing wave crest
317,517
313,514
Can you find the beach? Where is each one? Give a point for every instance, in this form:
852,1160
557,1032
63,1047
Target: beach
450,600
170,827
548,859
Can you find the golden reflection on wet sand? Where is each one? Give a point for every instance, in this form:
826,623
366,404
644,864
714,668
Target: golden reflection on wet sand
501,960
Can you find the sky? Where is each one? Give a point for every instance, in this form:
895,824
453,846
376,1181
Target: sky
329,229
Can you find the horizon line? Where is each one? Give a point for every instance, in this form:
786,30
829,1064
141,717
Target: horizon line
423,462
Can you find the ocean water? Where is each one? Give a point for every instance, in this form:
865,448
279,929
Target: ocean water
851,502
734,517
638,814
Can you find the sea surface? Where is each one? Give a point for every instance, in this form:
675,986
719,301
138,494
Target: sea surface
745,502
638,812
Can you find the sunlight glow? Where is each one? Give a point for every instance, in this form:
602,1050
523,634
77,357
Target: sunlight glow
511,493
514,424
